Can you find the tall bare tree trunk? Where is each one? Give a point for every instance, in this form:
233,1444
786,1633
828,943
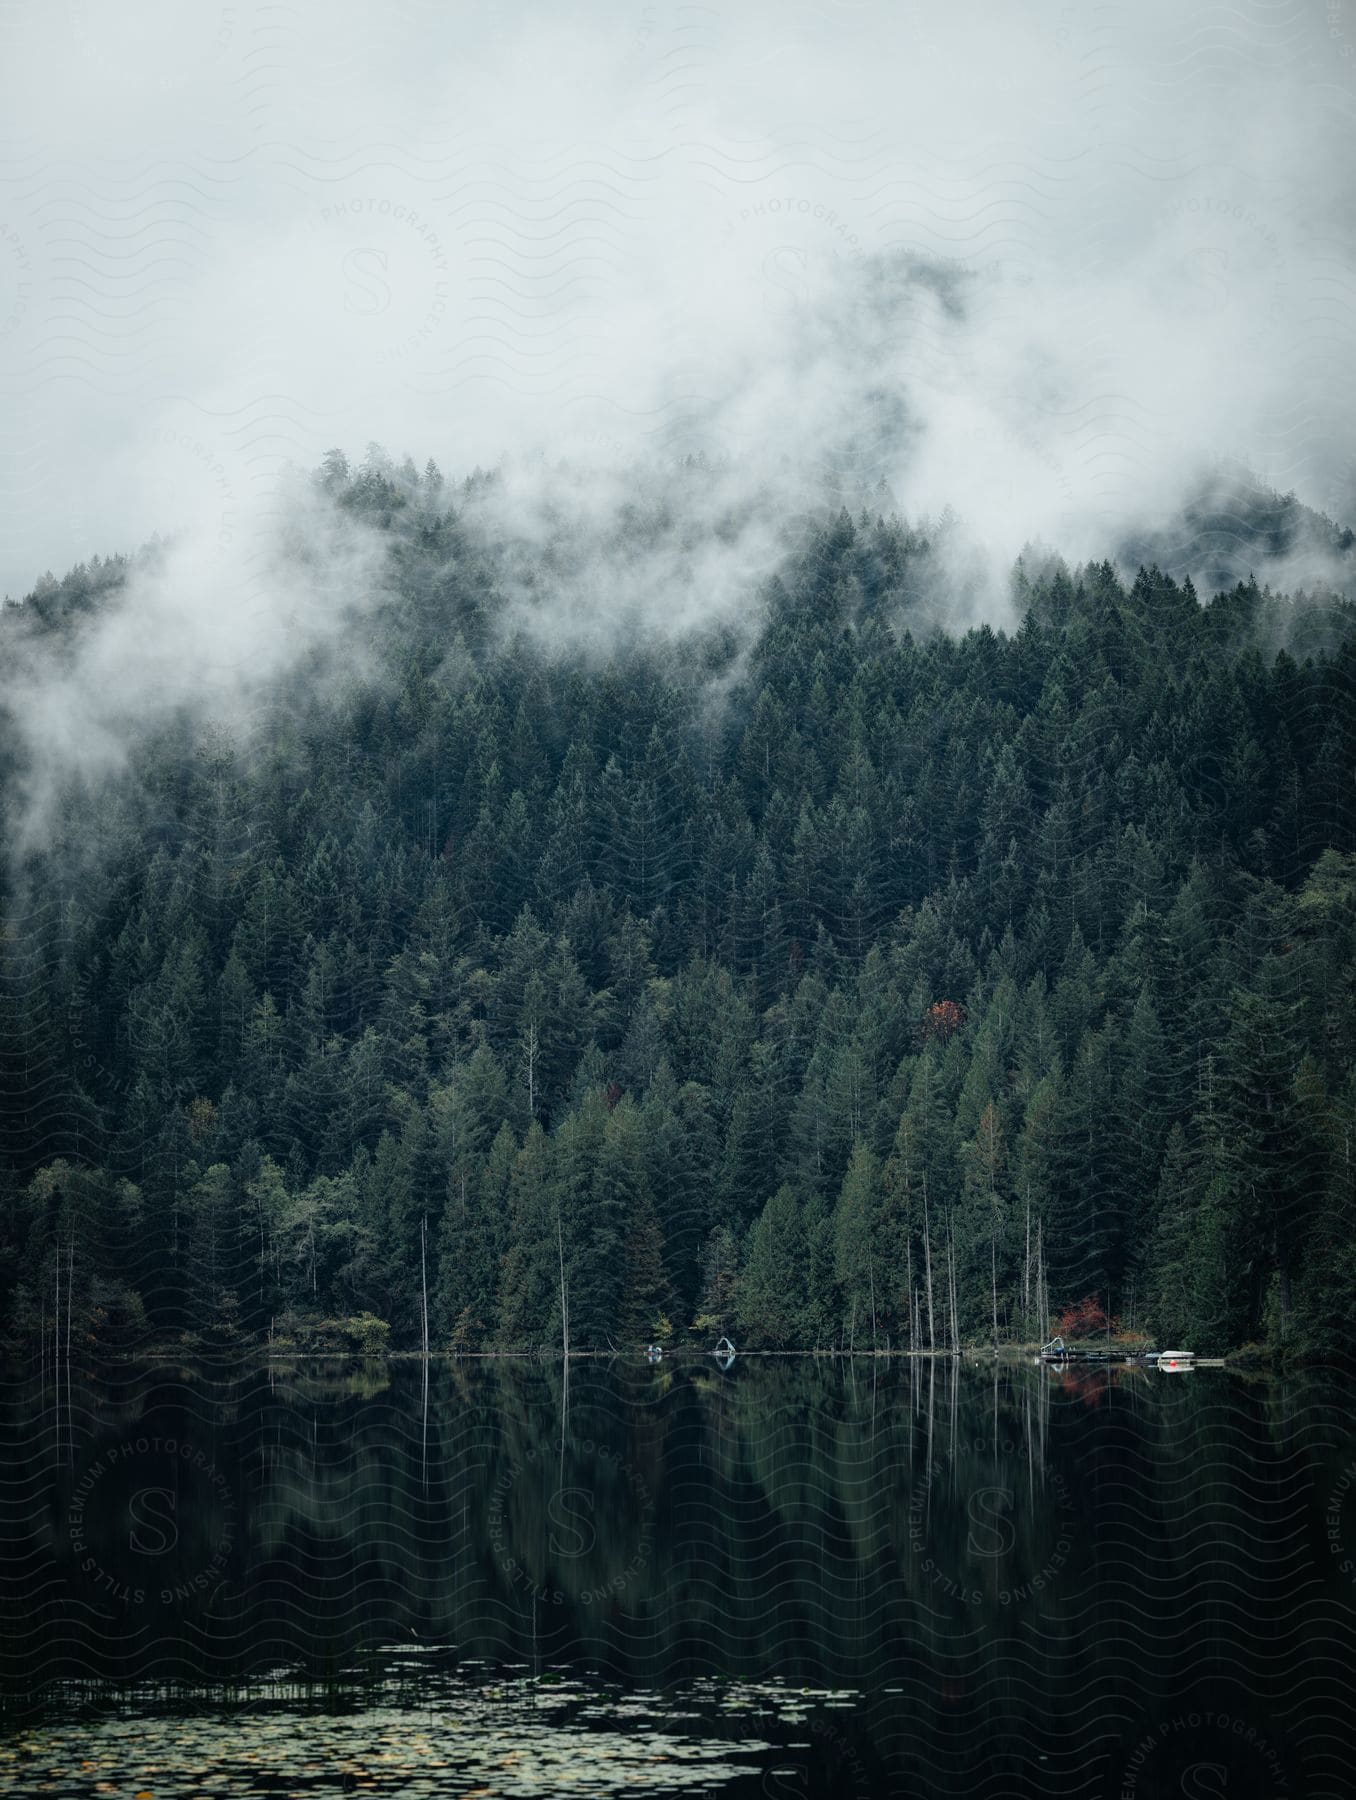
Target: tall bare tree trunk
564,1302
951,1284
993,1286
423,1275
927,1258
531,1052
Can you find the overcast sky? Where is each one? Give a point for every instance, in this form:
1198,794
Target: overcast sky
233,235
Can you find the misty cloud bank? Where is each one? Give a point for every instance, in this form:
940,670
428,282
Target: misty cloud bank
194,628
1044,271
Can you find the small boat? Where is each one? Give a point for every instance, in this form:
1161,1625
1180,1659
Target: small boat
1175,1361
654,1352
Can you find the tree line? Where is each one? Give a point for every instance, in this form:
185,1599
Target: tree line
823,976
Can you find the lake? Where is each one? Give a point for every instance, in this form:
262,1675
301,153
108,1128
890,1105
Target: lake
793,1577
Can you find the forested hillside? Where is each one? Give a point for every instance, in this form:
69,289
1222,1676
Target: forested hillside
816,974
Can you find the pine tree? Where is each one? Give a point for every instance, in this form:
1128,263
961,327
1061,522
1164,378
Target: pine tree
528,1310
771,1291
855,1247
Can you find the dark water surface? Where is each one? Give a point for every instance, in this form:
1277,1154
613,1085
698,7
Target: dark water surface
795,1577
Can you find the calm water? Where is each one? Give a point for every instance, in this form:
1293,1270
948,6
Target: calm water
791,1578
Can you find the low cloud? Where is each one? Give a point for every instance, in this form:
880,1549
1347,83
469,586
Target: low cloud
1039,270
201,628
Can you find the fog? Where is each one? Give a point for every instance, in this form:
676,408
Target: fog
1044,266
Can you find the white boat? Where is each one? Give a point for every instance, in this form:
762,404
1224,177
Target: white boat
1176,1361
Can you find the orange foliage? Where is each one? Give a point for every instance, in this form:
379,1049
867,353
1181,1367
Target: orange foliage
1085,1318
943,1020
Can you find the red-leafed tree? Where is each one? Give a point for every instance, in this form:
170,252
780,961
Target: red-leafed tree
943,1020
1085,1318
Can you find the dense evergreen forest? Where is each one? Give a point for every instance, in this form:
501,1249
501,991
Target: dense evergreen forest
819,975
